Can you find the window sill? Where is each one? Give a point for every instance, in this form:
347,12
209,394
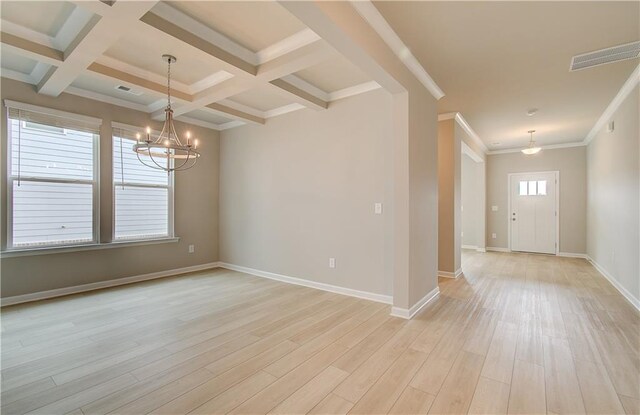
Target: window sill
85,247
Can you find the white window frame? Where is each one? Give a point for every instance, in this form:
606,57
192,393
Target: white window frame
170,190
11,179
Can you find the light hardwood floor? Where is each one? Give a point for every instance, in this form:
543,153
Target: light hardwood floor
518,334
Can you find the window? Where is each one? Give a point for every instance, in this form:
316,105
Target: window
143,196
532,188
52,180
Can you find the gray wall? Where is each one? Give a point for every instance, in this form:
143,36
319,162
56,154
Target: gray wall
301,189
571,163
196,209
613,178
470,196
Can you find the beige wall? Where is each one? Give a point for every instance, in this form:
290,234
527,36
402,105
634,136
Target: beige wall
613,180
196,209
470,200
301,189
571,163
413,238
449,202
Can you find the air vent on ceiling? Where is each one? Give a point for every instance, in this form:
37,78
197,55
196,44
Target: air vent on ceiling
604,56
128,90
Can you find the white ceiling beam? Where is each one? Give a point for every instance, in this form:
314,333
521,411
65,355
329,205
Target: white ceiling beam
91,43
142,83
231,62
370,13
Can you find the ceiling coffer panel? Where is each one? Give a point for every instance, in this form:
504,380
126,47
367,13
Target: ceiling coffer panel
604,56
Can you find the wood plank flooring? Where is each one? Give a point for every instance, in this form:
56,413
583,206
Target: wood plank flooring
523,334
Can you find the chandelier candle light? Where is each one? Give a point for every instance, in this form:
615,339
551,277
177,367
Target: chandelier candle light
532,149
167,152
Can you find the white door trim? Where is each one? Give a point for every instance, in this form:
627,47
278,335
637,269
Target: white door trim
557,176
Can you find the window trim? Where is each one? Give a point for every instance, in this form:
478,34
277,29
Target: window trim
170,192
10,178
18,252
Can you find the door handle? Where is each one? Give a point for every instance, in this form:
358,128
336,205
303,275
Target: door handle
513,219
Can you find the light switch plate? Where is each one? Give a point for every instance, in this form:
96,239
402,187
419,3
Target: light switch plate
332,262
494,208
377,208
192,249
493,236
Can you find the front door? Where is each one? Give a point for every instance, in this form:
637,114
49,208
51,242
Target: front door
533,212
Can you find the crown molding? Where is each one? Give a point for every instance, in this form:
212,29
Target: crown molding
549,147
624,92
371,15
105,98
469,152
447,116
231,124
142,73
200,123
71,28
18,76
285,109
28,34
209,81
466,127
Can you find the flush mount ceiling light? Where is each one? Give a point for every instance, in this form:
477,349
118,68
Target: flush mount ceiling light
532,112
532,149
166,152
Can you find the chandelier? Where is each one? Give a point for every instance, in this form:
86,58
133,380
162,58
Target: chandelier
532,149
166,152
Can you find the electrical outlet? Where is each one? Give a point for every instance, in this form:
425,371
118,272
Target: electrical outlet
332,262
377,208
494,208
192,249
493,236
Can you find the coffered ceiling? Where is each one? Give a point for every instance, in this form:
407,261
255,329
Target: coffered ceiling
238,62
497,60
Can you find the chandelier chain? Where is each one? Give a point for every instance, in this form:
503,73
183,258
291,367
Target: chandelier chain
169,83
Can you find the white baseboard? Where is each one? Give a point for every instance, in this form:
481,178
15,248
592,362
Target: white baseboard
481,250
409,313
59,292
469,247
572,255
626,294
380,298
446,274
498,249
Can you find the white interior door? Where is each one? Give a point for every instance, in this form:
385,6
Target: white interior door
533,212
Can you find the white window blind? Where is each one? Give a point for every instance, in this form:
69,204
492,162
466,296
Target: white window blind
52,177
143,196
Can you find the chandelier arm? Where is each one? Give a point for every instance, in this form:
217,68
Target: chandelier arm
195,161
164,126
185,161
155,162
148,165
